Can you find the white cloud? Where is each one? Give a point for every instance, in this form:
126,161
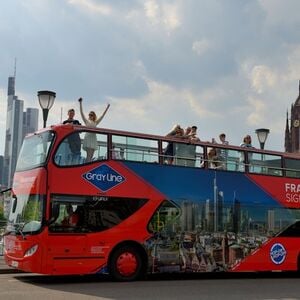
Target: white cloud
281,12
158,110
92,6
152,10
262,78
201,46
162,14
257,112
139,57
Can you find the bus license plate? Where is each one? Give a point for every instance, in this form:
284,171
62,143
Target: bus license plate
14,264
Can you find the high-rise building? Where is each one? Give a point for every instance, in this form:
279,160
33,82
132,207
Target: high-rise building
1,170
30,120
292,128
14,131
18,124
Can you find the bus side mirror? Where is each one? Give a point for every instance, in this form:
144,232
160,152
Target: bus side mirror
14,203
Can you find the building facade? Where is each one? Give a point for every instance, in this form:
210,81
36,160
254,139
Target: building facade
1,170
30,120
292,128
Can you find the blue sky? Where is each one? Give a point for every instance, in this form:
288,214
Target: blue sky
226,66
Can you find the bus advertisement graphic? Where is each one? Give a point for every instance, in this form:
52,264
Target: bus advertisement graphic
103,177
278,253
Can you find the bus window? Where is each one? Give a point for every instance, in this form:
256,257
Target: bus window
26,213
135,149
284,222
232,160
67,213
90,213
72,150
34,151
181,154
292,167
265,164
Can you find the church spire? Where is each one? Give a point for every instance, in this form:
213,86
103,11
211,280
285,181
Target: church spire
297,102
287,139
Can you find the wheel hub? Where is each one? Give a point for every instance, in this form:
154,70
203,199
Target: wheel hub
127,264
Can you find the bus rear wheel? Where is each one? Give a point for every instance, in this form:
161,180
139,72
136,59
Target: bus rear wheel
126,264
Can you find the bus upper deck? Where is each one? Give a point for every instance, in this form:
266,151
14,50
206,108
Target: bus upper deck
146,148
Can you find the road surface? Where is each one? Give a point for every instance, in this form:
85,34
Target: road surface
234,287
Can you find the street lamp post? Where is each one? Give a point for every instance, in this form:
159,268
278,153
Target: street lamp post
46,100
262,134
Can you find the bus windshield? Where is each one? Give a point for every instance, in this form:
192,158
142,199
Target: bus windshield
34,151
26,214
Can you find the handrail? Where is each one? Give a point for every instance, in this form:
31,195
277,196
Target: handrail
157,150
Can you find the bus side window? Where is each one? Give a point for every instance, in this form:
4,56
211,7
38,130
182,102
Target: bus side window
235,161
265,164
292,167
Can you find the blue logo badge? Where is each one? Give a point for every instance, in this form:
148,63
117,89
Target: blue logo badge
278,254
103,177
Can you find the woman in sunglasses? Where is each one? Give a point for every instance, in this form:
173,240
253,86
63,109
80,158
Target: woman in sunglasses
90,140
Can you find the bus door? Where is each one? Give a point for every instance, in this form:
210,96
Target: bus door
67,240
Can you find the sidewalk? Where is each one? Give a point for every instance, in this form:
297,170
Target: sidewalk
4,268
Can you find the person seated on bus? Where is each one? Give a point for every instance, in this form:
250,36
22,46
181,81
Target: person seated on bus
115,154
214,161
72,217
222,153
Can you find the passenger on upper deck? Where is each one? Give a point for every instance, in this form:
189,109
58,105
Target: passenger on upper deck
176,131
115,153
193,134
223,153
222,138
246,144
90,141
213,159
74,139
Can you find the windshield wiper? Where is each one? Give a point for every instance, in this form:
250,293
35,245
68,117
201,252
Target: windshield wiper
19,229
3,191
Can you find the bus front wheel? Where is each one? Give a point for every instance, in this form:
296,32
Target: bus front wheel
126,264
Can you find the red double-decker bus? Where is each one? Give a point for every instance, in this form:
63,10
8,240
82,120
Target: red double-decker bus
131,210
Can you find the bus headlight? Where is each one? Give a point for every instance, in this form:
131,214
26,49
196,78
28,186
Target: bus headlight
31,250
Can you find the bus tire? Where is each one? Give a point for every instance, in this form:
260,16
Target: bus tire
126,264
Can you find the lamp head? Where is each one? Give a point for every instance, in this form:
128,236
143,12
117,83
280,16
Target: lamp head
262,134
46,99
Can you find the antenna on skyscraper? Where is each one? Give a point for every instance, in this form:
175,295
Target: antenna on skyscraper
15,68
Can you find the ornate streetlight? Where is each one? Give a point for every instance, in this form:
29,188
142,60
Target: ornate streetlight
262,134
46,100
